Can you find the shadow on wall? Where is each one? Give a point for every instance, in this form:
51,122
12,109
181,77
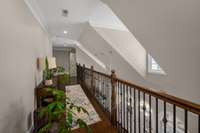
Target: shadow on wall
14,119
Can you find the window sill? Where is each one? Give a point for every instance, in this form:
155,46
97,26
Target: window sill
157,73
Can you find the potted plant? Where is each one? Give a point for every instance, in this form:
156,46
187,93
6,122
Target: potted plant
61,114
48,74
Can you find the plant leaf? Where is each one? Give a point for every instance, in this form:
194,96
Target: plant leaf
70,118
51,106
82,124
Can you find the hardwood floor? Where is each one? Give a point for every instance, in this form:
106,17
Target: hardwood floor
103,126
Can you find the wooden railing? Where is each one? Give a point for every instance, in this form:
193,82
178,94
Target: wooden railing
136,109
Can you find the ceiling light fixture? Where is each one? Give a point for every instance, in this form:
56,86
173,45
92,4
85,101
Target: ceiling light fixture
64,12
65,32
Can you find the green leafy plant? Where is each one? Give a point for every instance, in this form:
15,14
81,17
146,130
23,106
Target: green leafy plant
64,78
48,73
62,112
60,69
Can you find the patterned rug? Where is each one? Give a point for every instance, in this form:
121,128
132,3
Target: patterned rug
78,97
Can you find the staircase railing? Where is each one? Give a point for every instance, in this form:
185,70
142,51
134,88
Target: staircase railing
133,108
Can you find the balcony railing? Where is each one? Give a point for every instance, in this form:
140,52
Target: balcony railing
136,109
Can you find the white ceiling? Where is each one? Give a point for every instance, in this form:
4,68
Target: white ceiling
73,30
80,12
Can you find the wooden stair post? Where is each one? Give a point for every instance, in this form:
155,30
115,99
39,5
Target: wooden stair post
113,99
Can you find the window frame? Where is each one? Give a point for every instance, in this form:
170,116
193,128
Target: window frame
149,66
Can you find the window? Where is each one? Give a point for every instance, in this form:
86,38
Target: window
153,66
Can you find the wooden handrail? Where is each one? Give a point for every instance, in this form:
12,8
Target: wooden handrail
185,104
100,73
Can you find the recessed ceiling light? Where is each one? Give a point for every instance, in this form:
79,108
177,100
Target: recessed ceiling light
65,32
64,12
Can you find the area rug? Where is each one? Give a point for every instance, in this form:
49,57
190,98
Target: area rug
78,97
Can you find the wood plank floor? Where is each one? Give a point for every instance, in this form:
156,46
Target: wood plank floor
103,126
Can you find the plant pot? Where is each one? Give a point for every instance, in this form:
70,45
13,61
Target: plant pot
48,82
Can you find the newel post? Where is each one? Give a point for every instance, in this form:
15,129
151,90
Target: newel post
113,99
92,79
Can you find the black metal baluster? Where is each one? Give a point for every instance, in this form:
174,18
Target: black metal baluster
144,111
139,111
199,124
124,107
130,109
165,119
121,108
186,121
156,115
106,94
99,85
103,93
103,88
149,113
174,118
95,88
118,96
94,84
127,96
100,89
134,111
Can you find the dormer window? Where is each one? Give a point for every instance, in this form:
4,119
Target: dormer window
154,67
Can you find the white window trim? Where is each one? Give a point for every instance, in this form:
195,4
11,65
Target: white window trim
149,66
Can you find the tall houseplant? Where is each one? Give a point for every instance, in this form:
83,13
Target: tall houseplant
61,114
48,74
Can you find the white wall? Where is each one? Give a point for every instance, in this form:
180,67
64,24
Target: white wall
83,58
21,41
73,69
169,31
95,43
62,58
127,46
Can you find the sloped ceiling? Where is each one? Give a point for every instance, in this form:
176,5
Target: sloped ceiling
170,31
97,45
127,46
